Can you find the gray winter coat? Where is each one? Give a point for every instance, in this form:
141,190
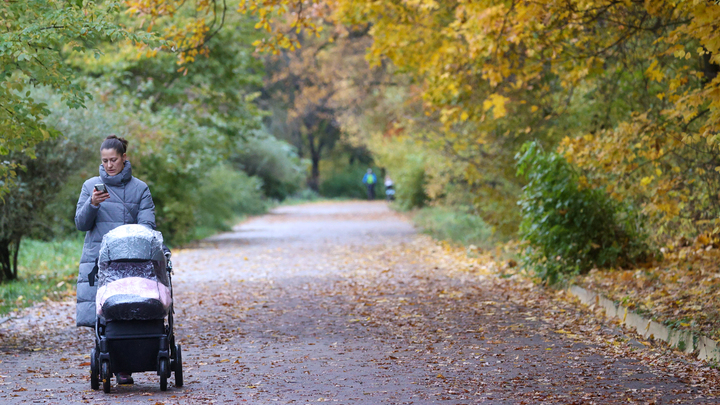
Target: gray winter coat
136,207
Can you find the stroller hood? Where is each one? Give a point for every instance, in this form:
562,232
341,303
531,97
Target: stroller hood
132,275
131,242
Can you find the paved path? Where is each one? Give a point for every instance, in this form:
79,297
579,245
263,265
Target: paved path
344,303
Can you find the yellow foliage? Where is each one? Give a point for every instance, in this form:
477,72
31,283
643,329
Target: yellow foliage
479,64
497,103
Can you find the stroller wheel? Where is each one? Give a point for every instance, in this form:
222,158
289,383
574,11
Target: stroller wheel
94,371
178,367
105,375
163,371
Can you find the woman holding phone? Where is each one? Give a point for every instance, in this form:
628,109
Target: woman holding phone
107,201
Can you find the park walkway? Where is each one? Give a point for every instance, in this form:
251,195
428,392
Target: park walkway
344,303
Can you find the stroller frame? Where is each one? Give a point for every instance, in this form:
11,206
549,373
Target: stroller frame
151,343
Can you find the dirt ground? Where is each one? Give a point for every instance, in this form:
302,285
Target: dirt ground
345,303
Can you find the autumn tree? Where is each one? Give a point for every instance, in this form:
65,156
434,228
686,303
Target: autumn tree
36,37
315,86
630,88
631,84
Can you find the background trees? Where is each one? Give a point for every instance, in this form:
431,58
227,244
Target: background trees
314,87
441,94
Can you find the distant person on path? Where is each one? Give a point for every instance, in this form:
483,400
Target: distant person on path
370,179
107,201
389,188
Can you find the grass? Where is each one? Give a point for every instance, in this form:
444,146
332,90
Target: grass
46,270
455,225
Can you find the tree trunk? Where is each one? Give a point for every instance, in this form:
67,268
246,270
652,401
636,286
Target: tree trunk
314,181
710,69
315,153
16,251
9,249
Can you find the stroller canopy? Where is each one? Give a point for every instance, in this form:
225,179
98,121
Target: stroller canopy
132,275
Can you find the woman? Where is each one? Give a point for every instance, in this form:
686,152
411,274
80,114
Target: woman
126,200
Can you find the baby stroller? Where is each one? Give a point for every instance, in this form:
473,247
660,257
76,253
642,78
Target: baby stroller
133,298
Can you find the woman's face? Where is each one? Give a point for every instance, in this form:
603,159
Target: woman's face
112,161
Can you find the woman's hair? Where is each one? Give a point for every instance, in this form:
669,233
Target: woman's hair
113,142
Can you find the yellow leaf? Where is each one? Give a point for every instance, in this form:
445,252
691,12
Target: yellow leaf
497,103
653,73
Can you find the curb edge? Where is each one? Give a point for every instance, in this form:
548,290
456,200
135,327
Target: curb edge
702,347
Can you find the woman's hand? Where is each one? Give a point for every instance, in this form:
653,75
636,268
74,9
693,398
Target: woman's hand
98,197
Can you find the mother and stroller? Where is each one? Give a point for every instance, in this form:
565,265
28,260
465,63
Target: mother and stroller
124,200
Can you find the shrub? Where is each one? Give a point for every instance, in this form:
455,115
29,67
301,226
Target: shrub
405,163
410,179
347,182
225,195
274,161
35,186
305,195
568,226
169,150
457,224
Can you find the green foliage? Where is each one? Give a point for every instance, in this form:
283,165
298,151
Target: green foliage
569,227
169,150
346,181
405,162
34,187
227,194
48,271
303,196
36,34
220,86
173,154
497,205
457,224
410,180
274,161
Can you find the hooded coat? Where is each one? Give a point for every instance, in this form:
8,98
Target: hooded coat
130,202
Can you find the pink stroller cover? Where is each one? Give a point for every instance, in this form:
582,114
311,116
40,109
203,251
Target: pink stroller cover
132,275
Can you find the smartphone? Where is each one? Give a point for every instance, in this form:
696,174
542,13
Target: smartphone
100,187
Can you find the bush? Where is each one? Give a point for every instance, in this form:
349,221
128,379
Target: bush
410,179
37,184
274,161
305,195
169,150
568,226
347,182
227,194
457,224
404,162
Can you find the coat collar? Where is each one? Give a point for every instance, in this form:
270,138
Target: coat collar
121,178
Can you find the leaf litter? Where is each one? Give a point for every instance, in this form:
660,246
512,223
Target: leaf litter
682,290
396,319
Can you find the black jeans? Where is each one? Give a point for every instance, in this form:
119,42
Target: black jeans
371,191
